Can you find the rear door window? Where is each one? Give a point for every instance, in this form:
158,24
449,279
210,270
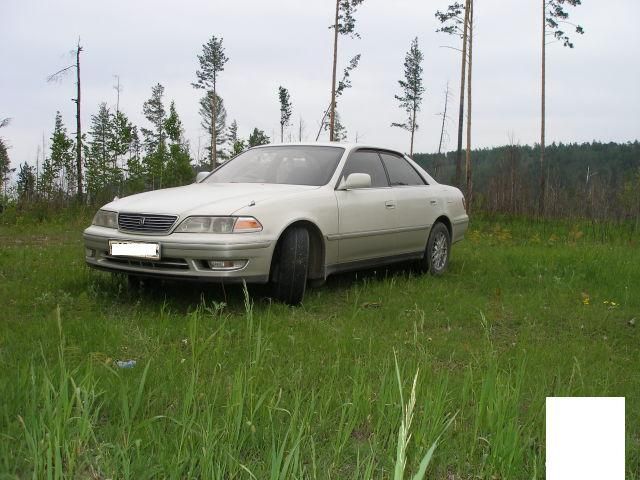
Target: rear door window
401,173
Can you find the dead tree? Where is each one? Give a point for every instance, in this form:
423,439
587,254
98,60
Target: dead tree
77,101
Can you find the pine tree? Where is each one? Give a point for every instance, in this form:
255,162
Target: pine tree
135,181
179,170
207,115
237,144
412,88
285,110
339,130
257,138
59,162
344,24
101,176
456,22
5,162
155,139
26,183
212,62
343,84
120,136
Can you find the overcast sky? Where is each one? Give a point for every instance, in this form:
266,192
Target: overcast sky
592,90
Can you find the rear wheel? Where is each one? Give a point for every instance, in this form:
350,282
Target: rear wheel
289,272
436,255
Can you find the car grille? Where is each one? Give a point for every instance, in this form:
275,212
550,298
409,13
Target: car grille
164,264
144,223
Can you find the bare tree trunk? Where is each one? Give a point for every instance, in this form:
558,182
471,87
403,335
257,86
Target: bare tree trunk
444,118
542,172
332,117
213,129
468,155
78,126
300,129
462,84
413,128
324,117
281,133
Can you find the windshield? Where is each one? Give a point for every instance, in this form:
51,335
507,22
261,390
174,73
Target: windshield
292,165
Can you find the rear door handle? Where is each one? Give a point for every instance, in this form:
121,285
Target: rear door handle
390,204
433,202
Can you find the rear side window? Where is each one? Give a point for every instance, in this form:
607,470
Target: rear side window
366,162
400,172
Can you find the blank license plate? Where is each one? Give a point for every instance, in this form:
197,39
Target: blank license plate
135,249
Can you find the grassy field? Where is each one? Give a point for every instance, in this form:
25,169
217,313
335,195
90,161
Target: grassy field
228,386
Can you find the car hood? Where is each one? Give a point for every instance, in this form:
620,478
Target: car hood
204,198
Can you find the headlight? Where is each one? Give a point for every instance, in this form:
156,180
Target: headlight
105,218
219,225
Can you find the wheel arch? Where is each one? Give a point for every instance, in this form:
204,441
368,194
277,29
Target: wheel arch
447,223
317,248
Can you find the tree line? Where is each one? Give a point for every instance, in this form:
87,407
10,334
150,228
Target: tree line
592,180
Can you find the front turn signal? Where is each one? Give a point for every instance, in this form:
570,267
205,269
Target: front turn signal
247,225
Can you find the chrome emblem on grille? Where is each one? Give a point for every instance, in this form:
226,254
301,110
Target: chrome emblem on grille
141,221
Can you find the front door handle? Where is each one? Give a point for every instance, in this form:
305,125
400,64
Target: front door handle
433,202
390,204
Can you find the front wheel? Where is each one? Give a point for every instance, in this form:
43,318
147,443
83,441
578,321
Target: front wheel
289,272
436,255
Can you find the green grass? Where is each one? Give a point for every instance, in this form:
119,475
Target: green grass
228,386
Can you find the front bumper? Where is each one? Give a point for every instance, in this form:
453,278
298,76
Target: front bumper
184,255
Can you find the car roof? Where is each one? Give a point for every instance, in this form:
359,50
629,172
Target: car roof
345,145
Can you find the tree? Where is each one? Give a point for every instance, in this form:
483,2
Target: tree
212,62
99,157
120,136
79,147
179,170
553,15
468,163
237,144
135,169
5,162
59,161
343,84
457,24
26,183
438,162
339,131
344,24
207,108
285,110
155,140
412,88
257,138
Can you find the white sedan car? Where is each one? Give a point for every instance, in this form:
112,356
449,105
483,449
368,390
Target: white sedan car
285,215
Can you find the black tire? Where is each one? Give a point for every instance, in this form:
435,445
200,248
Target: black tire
436,255
289,272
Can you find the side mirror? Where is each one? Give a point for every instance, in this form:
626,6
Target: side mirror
201,176
357,180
